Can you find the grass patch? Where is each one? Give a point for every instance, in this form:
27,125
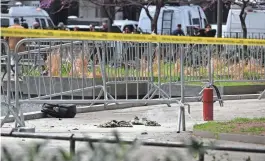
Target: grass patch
246,120
215,127
253,130
254,126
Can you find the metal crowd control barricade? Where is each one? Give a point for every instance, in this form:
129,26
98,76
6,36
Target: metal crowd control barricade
7,97
214,64
61,74
133,69
240,63
91,72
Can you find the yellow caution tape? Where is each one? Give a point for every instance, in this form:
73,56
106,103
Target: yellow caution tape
80,35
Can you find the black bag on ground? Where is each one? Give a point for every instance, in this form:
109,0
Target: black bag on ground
59,111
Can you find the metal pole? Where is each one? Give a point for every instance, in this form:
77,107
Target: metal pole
181,116
18,110
201,156
219,17
72,146
210,64
8,74
182,79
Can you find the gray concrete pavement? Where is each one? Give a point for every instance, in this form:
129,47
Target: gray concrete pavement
166,116
84,124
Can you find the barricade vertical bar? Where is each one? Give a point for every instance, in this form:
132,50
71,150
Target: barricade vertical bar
102,69
27,77
138,45
50,62
209,64
127,56
150,67
61,66
16,87
104,73
83,66
93,69
116,59
39,69
182,108
171,55
158,54
72,69
17,110
181,115
8,76
182,76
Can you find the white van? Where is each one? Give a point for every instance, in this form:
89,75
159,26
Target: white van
29,14
255,23
171,16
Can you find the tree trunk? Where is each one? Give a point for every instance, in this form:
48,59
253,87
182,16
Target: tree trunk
159,5
242,17
109,14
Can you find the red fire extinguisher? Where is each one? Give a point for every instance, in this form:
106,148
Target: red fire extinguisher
208,104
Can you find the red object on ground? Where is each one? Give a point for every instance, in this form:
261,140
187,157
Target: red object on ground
208,104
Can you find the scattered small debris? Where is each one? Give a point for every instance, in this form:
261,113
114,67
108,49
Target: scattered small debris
60,119
23,139
137,121
115,123
144,133
145,122
75,129
151,123
51,126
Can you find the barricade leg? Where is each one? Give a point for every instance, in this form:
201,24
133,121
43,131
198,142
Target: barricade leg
261,95
153,87
152,92
17,108
102,69
14,113
181,119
